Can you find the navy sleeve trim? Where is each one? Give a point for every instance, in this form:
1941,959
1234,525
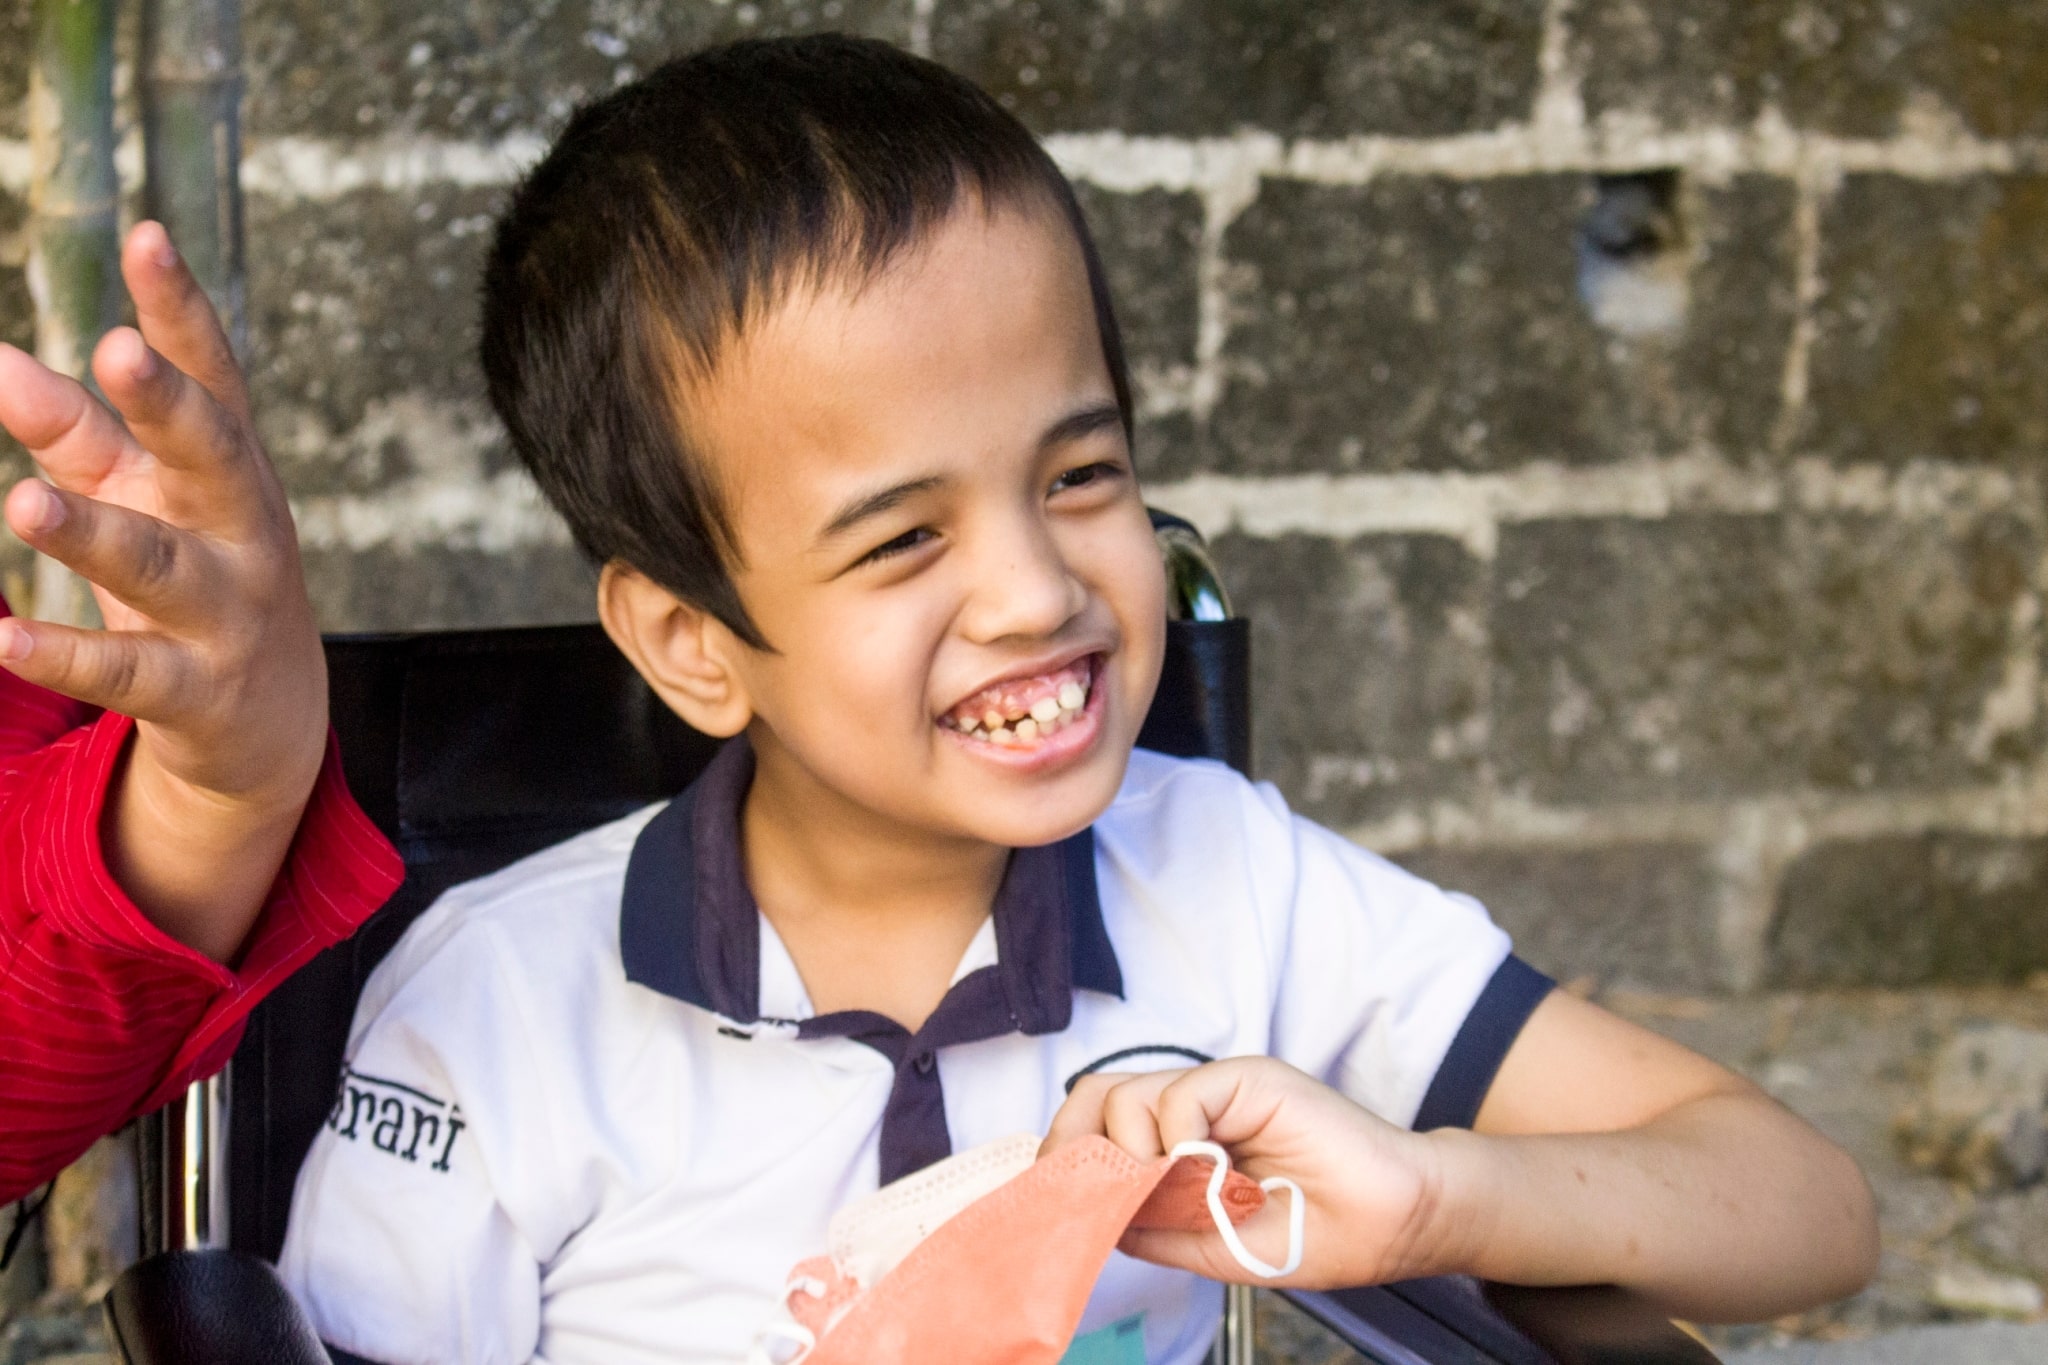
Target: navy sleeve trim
1467,1070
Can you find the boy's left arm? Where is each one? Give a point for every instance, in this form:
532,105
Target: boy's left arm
1603,1154
1606,1154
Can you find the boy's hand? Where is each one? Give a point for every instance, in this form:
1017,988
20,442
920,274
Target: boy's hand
181,525
1602,1154
1371,1188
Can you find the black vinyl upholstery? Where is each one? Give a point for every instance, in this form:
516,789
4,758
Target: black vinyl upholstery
216,1307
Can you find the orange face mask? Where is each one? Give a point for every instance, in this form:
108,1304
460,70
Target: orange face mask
988,1258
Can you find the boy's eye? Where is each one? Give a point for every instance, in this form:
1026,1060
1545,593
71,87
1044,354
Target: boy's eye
1084,474
909,540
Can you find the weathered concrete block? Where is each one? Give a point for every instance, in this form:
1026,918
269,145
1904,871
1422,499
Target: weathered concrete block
1910,910
1149,244
353,303
478,70
1637,915
1982,1117
14,59
17,328
1851,67
1367,668
437,588
1931,338
1707,656
1432,324
1315,68
17,310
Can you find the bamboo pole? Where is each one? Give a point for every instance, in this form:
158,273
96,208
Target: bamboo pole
74,273
192,142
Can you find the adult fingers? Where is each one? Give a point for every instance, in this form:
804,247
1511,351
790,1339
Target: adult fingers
178,319
157,569
185,428
68,431
136,673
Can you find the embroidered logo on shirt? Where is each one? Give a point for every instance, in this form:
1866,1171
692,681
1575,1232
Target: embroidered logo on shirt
396,1119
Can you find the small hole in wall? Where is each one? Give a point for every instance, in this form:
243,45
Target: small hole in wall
1634,257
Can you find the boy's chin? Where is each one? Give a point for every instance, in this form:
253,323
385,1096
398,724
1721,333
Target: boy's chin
1045,810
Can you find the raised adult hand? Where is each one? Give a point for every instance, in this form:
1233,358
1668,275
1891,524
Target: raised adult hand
169,507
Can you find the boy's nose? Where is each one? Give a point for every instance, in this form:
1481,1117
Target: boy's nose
1023,587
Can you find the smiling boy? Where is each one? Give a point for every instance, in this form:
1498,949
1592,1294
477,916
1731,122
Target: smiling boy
808,342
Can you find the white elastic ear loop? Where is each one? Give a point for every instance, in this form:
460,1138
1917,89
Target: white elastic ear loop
790,1334
1297,1211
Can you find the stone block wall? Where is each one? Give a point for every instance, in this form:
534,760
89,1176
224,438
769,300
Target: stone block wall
1624,421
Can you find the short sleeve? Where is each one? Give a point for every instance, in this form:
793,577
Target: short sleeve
1402,995
413,1237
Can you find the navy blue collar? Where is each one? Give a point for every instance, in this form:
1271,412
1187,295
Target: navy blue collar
689,927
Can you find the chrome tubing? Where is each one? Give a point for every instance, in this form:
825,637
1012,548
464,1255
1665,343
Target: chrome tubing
1237,1341
195,1167
1194,587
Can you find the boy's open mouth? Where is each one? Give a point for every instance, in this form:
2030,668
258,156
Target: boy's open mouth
1023,711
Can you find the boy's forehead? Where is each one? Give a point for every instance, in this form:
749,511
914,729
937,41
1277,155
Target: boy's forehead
962,346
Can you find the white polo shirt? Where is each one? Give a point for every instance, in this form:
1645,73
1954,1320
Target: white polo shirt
589,1116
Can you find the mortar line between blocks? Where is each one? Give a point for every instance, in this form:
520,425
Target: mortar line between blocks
1472,508
1780,824
1555,141
1813,189
1559,106
920,37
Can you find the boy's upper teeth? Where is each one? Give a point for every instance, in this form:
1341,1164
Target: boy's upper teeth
1023,709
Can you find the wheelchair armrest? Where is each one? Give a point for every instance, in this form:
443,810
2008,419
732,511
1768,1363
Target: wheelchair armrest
1596,1325
208,1308
1425,1322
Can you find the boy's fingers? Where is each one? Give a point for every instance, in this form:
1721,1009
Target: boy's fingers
1264,1235
155,568
178,319
1130,1115
1081,1115
136,674
68,431
1188,1109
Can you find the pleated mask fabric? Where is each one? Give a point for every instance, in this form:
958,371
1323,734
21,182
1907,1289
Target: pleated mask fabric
988,1258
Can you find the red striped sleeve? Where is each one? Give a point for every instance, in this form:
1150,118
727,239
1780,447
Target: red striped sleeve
102,1016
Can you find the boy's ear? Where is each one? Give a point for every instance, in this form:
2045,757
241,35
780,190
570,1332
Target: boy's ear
685,653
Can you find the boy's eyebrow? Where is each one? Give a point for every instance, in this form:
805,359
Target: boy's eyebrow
874,504
1084,422
1075,425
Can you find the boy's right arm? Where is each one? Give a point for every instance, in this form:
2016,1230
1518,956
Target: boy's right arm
431,1197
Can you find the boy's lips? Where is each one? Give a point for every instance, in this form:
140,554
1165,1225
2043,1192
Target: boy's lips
1019,712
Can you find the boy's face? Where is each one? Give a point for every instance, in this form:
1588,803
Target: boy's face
942,538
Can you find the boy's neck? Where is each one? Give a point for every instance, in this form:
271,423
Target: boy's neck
875,916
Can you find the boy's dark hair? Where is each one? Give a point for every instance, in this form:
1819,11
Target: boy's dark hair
675,211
